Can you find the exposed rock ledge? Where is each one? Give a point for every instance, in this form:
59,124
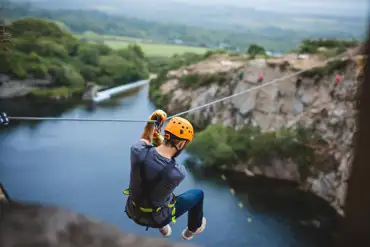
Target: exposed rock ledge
310,101
10,88
23,224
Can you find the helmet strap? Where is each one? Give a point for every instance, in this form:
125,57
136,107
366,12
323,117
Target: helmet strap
173,145
171,138
177,154
177,150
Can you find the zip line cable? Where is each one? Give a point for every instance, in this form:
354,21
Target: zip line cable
181,113
253,88
80,119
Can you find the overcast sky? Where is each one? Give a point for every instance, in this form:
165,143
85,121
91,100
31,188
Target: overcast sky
297,6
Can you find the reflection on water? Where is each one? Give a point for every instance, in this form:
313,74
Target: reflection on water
84,166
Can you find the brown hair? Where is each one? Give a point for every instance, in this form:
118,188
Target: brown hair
170,140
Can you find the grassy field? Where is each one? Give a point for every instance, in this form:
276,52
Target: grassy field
150,49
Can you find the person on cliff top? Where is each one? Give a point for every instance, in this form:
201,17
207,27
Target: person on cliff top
155,174
338,80
261,77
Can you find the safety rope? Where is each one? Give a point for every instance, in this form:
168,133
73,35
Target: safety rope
187,111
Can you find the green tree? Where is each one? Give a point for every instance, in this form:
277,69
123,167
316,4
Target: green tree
67,75
212,146
112,64
49,48
88,54
35,28
41,48
90,72
241,141
255,50
218,145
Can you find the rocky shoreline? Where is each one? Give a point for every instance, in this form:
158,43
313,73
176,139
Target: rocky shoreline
11,88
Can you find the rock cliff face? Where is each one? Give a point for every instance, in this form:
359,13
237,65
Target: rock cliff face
10,88
311,99
23,224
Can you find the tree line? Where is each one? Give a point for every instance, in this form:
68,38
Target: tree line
41,49
80,21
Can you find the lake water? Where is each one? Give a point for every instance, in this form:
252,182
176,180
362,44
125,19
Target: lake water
84,166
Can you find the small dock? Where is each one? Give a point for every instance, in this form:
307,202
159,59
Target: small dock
106,94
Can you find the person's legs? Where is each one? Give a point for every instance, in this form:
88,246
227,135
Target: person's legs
192,202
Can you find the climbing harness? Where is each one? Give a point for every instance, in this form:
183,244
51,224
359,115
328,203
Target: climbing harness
177,128
144,210
187,111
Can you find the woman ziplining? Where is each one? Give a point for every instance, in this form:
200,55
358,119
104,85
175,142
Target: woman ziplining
155,174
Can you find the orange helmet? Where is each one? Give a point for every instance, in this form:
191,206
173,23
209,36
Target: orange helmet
180,128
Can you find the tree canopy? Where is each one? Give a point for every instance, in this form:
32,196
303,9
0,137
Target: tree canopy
255,50
42,48
218,145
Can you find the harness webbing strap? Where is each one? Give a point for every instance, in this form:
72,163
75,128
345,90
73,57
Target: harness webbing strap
144,200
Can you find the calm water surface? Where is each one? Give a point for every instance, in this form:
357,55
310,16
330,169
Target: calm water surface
85,166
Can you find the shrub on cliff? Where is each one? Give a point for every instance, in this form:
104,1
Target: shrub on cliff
155,94
312,45
218,145
212,146
214,52
195,80
284,144
42,48
331,67
162,66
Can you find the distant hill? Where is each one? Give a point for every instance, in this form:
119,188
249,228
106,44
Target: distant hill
332,20
230,28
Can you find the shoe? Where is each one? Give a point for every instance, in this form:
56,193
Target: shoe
166,231
189,235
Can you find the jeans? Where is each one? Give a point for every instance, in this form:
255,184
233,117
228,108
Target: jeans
192,202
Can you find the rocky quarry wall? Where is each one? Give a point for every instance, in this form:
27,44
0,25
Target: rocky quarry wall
311,100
